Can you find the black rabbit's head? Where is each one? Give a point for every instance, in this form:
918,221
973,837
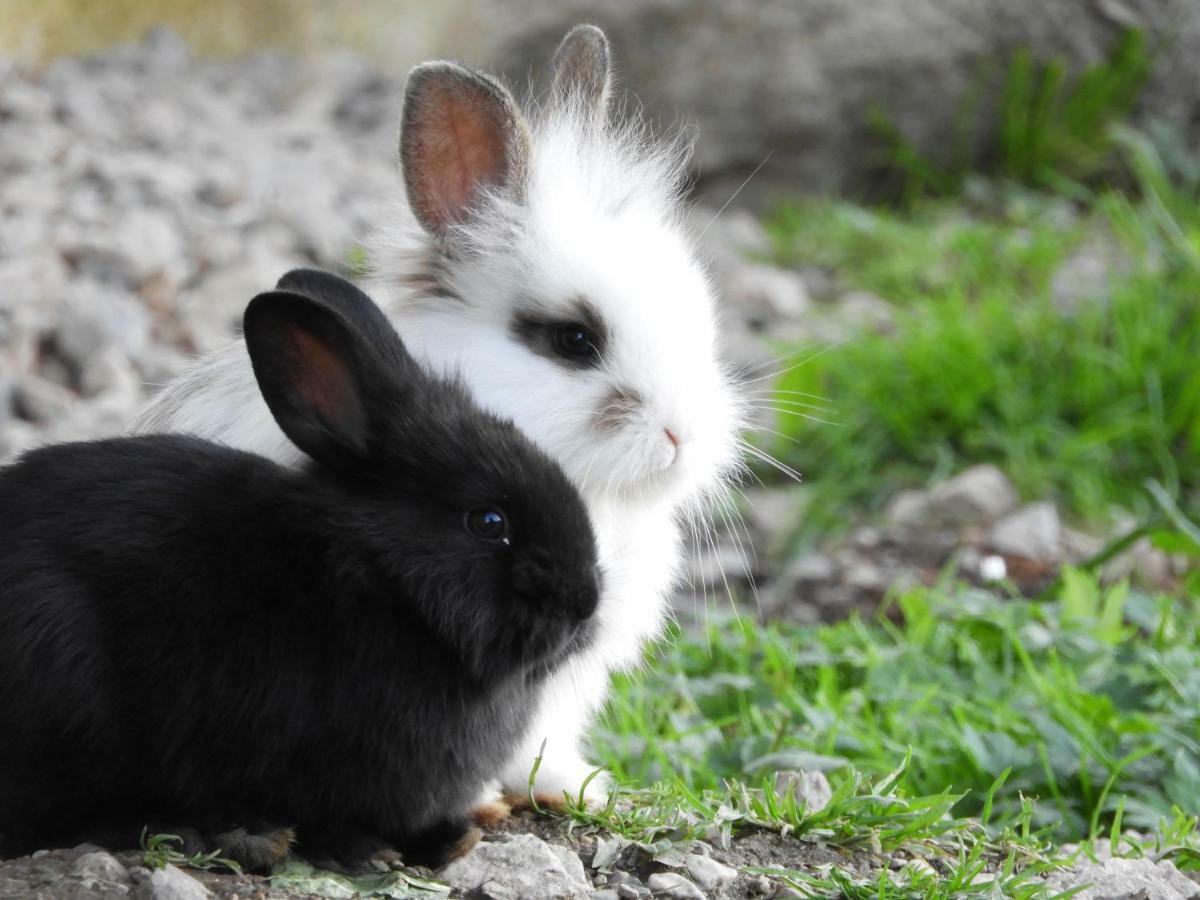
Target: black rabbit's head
478,529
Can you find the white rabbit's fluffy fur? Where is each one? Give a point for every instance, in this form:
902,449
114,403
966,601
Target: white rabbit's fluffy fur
590,225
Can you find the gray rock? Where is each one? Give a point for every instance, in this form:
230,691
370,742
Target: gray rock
1087,274
864,575
30,278
15,438
152,246
907,509
518,866
212,310
1126,879
95,317
42,401
7,388
975,496
1033,532
729,238
1078,546
707,873
170,883
773,515
672,884
1151,566
99,866
791,82
606,894
865,311
764,294
812,568
714,568
811,789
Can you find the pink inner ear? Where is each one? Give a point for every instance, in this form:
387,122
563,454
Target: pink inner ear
323,383
462,139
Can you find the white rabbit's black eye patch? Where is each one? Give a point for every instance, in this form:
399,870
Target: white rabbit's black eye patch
574,337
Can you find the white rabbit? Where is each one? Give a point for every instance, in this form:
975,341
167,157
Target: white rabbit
545,261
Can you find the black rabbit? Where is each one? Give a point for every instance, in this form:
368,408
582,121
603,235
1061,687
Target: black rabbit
193,634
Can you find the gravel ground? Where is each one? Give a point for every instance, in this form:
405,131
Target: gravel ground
537,858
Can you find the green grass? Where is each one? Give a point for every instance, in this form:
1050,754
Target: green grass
1052,129
1081,406
982,730
162,850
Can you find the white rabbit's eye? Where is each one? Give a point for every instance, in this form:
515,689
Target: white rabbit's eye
488,524
576,341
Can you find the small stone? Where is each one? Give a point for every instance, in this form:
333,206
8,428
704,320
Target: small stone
707,872
773,515
606,894
15,438
632,890
1151,566
907,509
731,236
99,866
618,878
921,868
993,568
1126,879
866,311
716,567
1032,532
977,495
811,789
671,884
1078,546
171,883
766,294
866,538
109,372
1087,274
39,400
151,245
518,866
812,568
96,317
865,576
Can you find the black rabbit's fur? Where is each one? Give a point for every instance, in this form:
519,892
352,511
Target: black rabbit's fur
192,634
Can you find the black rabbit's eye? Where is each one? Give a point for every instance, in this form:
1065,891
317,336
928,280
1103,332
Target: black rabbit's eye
488,524
575,341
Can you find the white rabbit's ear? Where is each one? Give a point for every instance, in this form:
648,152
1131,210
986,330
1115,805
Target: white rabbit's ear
461,136
582,71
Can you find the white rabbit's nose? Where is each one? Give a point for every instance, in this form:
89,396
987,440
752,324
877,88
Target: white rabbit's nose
672,438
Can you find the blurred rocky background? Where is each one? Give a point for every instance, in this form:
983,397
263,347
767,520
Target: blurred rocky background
160,162
806,89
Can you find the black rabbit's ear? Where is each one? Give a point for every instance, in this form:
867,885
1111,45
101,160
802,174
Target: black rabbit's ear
336,293
314,371
461,136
